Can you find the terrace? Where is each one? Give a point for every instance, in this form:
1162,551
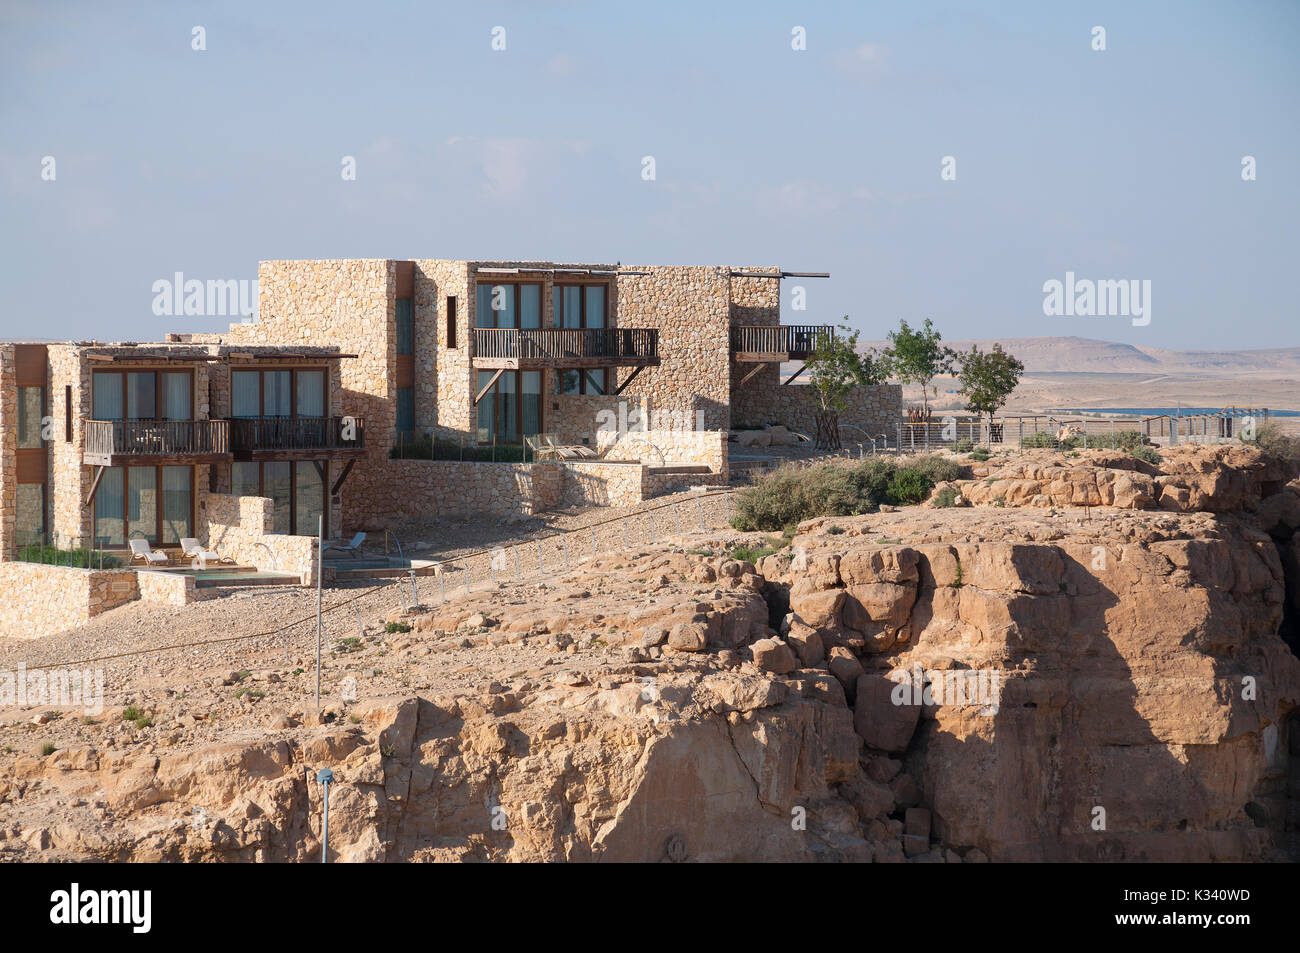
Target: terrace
116,443
538,348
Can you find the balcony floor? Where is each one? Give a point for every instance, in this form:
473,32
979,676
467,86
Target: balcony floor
153,459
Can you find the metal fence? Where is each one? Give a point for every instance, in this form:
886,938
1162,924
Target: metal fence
1069,432
78,552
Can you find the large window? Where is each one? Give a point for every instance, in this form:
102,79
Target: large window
405,327
142,395
405,409
153,503
273,392
512,409
297,490
589,381
513,305
580,306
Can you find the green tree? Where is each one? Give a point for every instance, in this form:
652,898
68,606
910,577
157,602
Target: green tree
835,368
987,379
918,357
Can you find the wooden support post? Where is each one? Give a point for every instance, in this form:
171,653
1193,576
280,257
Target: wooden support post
630,378
757,367
795,374
347,468
489,385
94,485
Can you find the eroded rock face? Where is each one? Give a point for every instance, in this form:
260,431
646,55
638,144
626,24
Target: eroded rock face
1139,672
1033,684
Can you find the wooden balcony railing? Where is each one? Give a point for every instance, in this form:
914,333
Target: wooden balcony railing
565,347
269,434
791,341
109,439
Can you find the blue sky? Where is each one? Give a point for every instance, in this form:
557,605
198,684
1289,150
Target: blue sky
1122,164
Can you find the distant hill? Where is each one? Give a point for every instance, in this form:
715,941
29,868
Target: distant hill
1090,356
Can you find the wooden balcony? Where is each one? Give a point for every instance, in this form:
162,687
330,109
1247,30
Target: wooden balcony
116,443
537,348
298,438
791,342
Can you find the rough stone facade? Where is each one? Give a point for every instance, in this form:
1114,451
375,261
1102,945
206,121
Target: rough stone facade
397,492
241,527
40,600
8,453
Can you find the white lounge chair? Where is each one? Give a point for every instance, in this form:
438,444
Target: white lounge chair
353,548
198,555
140,549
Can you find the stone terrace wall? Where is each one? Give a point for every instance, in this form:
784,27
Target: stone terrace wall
593,483
573,418
403,491
872,410
40,600
240,526
679,447
691,307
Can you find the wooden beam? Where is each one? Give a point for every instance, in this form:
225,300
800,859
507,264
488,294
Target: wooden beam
630,378
754,370
342,476
489,385
795,374
94,485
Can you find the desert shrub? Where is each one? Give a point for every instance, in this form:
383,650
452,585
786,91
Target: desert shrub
980,454
908,486
1043,439
773,500
1148,454
752,554
788,496
392,627
945,498
1128,440
936,469
964,445
1271,439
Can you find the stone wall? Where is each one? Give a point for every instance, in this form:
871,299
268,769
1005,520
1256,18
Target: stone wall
574,418
444,378
669,448
399,492
691,307
41,600
240,527
168,588
594,483
871,410
8,453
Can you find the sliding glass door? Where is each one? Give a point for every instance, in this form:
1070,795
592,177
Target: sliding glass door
512,410
151,503
296,488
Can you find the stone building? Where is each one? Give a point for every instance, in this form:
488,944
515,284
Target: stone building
647,366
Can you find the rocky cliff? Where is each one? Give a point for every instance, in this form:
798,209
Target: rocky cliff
1064,679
